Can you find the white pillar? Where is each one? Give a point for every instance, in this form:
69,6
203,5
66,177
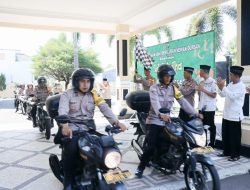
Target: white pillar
122,45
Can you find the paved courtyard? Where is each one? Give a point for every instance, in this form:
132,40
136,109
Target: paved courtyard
24,154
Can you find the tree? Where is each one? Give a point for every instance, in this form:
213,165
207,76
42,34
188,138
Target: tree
55,60
2,82
232,50
166,30
76,40
212,19
157,32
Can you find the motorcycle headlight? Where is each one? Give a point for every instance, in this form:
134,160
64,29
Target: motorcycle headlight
200,139
112,159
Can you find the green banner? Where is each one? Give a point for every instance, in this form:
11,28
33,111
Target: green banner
191,51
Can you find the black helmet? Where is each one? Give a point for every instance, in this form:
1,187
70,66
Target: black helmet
80,74
165,70
42,81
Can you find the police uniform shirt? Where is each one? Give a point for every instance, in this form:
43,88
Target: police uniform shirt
41,93
188,90
205,100
20,92
29,92
162,96
80,107
146,83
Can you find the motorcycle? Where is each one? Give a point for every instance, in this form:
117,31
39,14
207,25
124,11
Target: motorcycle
43,120
99,155
15,99
29,105
181,146
19,103
22,104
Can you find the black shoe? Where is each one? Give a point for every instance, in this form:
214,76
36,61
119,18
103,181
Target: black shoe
221,155
139,173
233,159
67,183
69,187
34,125
212,145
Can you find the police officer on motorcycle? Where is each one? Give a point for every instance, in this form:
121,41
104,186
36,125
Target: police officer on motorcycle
41,93
29,92
19,94
162,95
79,104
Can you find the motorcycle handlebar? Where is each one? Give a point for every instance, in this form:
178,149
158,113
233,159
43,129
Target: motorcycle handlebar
74,135
112,130
109,129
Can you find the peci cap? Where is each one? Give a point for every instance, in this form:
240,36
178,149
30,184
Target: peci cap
205,67
189,69
236,70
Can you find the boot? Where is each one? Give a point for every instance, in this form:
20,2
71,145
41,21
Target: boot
34,123
139,172
69,187
67,182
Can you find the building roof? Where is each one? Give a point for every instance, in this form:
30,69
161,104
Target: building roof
97,16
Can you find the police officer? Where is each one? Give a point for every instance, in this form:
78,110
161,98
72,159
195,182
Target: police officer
29,92
188,91
79,104
207,90
20,92
162,95
234,95
57,89
147,81
41,93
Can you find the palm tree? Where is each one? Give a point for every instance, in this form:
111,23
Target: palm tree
157,32
76,40
166,30
110,39
212,19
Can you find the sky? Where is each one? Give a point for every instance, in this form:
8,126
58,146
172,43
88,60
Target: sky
28,41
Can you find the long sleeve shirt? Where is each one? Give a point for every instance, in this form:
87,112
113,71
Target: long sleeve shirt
146,83
81,107
188,90
234,100
163,97
205,100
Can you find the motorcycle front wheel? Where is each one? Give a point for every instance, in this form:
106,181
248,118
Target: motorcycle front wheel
206,175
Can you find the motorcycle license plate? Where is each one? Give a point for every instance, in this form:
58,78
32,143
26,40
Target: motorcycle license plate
116,176
203,150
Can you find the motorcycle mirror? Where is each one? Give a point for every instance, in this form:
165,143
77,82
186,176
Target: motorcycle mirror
123,112
164,110
63,119
108,128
